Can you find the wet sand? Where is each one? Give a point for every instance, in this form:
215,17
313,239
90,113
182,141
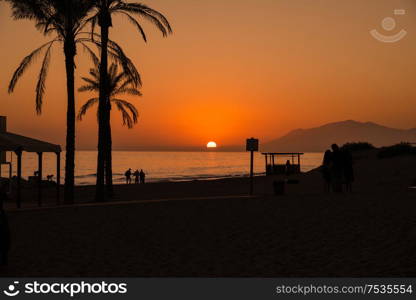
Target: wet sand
218,231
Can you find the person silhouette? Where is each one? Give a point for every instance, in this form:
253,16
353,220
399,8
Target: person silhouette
136,175
337,170
142,177
326,169
128,176
348,170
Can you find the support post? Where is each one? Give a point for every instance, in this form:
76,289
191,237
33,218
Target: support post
19,177
251,172
265,158
40,171
252,145
10,177
58,177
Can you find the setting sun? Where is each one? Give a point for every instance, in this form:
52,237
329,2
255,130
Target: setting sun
212,145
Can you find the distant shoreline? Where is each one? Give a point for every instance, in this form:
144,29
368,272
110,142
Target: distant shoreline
158,166
181,151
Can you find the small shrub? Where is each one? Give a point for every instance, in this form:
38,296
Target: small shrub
359,146
397,150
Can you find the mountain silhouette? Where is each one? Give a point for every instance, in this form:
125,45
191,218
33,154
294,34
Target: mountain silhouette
320,138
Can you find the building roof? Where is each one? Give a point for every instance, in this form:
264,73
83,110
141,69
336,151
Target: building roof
283,154
12,142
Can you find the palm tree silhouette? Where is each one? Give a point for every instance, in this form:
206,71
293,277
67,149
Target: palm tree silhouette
120,84
104,10
65,19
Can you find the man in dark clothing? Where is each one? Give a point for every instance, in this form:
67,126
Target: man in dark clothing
326,170
348,170
337,172
136,175
142,177
128,176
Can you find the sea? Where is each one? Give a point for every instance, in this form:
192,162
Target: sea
158,166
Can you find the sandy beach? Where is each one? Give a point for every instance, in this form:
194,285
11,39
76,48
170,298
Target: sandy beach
219,231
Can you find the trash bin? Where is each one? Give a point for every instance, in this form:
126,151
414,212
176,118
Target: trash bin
279,187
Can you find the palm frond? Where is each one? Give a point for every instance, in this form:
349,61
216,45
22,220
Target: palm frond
127,121
95,73
40,87
128,111
136,24
87,21
88,88
116,53
91,54
83,110
155,17
25,64
125,84
130,91
31,10
112,71
63,18
90,81
129,68
117,78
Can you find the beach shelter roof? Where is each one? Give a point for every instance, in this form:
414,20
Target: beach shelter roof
19,144
12,142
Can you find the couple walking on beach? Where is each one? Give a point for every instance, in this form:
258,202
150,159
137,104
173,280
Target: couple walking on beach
337,169
139,177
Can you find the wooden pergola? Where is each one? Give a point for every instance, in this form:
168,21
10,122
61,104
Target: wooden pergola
273,167
19,144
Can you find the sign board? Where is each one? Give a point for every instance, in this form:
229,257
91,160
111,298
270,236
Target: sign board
252,144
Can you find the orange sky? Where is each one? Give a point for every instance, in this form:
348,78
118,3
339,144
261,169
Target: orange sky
234,69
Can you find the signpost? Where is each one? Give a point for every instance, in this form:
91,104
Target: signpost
252,146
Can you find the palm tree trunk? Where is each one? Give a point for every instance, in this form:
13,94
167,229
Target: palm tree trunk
108,159
99,192
69,49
